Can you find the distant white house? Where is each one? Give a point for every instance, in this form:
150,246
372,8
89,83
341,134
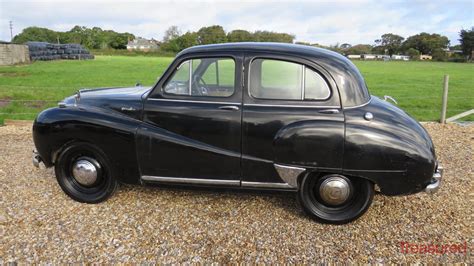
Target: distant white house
142,44
400,57
368,57
353,56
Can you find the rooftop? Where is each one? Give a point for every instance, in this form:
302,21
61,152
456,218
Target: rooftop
264,46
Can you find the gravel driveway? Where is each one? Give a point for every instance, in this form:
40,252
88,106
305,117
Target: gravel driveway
39,223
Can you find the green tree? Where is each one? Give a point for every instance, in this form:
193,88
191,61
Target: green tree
94,38
360,49
439,55
467,42
36,34
119,41
211,34
413,54
268,36
426,43
389,42
239,36
187,40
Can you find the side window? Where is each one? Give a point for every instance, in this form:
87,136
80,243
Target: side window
282,80
213,77
315,87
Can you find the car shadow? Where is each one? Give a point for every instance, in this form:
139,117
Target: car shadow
286,200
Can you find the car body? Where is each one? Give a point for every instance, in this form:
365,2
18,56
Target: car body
244,115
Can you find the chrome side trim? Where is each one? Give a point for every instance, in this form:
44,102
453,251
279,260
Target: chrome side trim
266,185
289,174
183,180
190,101
284,105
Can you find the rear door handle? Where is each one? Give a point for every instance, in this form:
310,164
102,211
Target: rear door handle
229,107
329,111
129,109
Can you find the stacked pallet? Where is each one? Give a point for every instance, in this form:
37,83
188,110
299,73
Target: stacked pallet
49,51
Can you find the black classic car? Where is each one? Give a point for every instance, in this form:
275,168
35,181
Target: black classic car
246,115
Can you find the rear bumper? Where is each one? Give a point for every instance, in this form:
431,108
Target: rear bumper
36,159
435,181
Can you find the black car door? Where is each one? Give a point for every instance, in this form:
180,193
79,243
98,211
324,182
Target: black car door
192,123
292,121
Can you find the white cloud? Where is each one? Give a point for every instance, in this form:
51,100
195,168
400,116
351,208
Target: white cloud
324,22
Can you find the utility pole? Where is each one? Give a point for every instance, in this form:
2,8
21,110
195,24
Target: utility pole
11,30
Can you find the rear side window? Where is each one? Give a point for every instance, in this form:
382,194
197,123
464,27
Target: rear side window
283,80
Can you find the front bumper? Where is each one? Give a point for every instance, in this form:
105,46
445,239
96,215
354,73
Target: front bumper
435,181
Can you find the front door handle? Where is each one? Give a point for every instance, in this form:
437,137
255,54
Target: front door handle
229,107
329,111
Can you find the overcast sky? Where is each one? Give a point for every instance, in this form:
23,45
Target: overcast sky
324,22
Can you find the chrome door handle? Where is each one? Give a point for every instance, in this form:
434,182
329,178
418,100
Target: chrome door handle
129,109
329,111
229,107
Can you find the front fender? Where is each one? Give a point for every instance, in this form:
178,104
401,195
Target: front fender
112,132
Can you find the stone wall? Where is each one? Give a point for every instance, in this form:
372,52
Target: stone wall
11,54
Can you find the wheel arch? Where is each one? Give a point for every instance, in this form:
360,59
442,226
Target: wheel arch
56,128
321,173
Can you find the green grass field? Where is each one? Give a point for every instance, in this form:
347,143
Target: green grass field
417,86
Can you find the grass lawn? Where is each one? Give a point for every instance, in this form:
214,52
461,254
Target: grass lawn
417,86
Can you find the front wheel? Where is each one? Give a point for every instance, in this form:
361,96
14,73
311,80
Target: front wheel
335,199
84,173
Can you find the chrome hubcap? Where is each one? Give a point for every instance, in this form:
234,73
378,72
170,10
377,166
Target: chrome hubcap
335,190
85,171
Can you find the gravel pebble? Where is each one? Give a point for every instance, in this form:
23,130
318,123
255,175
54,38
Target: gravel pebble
40,224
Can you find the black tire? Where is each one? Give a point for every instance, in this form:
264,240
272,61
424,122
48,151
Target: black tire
101,190
361,196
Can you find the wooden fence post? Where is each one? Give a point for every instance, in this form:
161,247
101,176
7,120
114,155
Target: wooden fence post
445,99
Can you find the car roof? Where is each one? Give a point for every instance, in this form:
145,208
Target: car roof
262,46
351,84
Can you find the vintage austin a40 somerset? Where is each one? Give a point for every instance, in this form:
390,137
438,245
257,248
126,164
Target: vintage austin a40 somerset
247,115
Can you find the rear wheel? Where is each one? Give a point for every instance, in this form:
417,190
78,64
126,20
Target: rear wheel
335,198
84,173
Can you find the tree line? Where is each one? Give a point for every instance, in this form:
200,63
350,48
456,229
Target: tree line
424,43
91,38
175,41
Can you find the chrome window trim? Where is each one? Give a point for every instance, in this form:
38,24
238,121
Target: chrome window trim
190,78
191,71
303,81
304,66
185,180
288,105
325,82
191,101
